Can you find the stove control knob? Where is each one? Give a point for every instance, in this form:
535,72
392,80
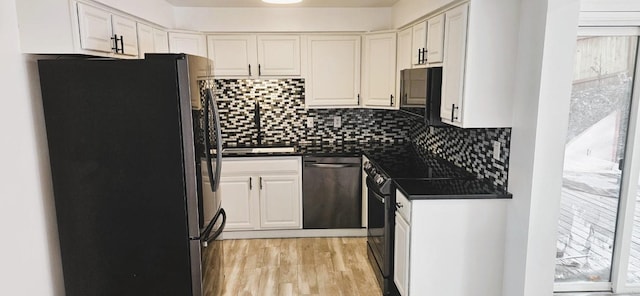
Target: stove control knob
379,179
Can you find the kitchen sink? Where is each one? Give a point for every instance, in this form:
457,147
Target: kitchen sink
258,149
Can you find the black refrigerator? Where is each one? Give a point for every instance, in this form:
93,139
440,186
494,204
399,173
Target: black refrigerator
134,178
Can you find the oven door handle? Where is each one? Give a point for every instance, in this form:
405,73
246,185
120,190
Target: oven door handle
374,187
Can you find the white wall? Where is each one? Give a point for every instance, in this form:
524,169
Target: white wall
156,11
29,253
282,19
406,11
546,50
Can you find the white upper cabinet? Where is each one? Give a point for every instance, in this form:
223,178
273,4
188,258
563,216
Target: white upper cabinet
105,32
190,43
126,30
435,39
151,40
455,47
95,29
232,55
254,55
378,70
403,55
145,40
160,41
278,55
333,77
419,44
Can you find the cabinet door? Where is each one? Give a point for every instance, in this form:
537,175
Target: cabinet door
233,55
126,28
378,75
278,55
95,29
435,39
403,55
401,256
455,40
160,41
419,43
145,40
334,70
190,43
280,202
239,202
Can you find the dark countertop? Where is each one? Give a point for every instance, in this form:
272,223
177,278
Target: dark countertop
424,189
417,175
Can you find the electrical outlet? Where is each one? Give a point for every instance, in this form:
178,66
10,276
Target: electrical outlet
310,122
337,121
496,150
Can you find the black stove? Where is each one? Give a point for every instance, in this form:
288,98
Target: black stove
386,164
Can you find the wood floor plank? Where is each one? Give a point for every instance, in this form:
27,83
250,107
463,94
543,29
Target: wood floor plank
304,266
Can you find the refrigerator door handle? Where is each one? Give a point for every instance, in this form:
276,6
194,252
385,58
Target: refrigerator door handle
214,178
206,235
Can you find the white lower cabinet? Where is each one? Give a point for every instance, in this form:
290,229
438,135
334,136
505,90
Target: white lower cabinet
262,193
239,203
279,201
452,247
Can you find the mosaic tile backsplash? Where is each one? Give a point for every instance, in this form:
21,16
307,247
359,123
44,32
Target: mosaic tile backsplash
283,117
283,121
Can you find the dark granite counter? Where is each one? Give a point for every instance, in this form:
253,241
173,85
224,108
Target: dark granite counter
424,189
417,175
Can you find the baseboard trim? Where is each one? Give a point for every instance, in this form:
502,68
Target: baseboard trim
293,233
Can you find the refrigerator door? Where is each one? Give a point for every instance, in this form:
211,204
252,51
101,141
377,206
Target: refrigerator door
114,131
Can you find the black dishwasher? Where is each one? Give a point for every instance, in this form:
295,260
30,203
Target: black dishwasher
331,192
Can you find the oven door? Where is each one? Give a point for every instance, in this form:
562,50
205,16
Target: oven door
376,223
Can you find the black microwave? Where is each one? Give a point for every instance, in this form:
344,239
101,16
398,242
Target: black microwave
420,92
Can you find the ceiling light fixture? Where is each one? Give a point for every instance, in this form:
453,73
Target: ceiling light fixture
282,1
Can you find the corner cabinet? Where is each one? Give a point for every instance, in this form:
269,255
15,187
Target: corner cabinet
260,193
451,247
190,43
333,77
151,40
254,55
378,69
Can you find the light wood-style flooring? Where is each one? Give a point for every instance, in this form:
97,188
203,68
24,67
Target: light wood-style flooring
298,266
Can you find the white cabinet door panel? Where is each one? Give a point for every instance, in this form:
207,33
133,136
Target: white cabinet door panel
160,41
379,79
280,202
334,70
401,255
233,55
435,39
239,203
455,39
278,55
126,29
145,40
95,29
195,44
419,43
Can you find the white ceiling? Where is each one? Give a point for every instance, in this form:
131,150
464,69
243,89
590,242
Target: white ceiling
305,3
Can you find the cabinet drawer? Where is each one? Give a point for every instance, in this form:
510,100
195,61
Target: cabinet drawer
403,206
247,165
